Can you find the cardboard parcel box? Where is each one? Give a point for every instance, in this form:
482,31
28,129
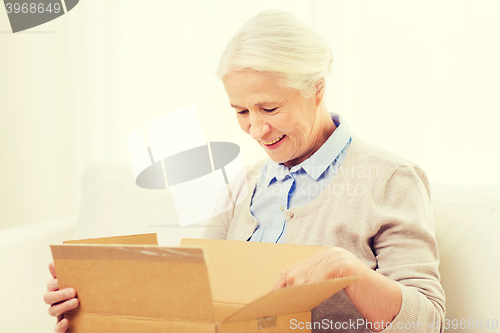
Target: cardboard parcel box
202,286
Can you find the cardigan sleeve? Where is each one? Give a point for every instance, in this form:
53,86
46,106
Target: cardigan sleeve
406,251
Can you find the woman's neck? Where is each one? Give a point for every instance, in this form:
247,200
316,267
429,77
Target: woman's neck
323,129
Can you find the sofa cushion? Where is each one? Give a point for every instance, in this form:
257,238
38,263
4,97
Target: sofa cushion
468,232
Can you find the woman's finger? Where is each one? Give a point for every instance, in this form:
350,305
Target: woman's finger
58,309
281,283
61,326
52,270
54,297
52,285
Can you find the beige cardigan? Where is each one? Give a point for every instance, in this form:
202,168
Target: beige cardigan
378,207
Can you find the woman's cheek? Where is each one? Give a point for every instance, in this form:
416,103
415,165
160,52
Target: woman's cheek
244,124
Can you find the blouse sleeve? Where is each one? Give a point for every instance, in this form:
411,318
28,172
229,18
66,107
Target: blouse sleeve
406,251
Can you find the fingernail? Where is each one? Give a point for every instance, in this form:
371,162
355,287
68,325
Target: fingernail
73,302
69,293
64,324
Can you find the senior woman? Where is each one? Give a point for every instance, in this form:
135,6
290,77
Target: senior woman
322,186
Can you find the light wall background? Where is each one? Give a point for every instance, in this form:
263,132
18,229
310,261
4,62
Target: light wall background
419,78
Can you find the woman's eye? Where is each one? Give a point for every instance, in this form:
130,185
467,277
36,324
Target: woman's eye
242,112
270,110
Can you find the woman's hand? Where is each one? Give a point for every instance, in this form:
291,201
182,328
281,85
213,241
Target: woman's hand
329,264
60,301
376,297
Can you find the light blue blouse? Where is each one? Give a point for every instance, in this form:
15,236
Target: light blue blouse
279,188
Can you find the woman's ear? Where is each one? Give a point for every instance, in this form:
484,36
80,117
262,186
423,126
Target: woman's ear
319,91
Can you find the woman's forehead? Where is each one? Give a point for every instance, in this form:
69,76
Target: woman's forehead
251,77
255,88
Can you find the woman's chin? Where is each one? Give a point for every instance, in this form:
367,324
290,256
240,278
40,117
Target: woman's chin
278,158
277,151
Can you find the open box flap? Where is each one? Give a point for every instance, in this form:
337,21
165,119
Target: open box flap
241,271
160,282
290,300
142,239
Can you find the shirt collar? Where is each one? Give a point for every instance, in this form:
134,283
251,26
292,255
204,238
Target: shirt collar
315,165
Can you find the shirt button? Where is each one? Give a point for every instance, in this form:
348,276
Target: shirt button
290,215
282,208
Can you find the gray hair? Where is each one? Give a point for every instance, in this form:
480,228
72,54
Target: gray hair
278,43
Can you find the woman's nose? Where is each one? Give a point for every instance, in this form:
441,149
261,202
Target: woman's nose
258,127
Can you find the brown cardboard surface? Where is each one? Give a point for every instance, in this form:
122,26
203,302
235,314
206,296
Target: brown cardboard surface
139,284
281,324
242,271
89,323
126,252
138,288
223,310
142,239
291,300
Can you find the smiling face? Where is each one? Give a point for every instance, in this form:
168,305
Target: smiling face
288,126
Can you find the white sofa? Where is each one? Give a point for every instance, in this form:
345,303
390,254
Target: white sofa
467,227
468,231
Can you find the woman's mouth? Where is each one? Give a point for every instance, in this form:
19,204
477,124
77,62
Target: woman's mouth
273,142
